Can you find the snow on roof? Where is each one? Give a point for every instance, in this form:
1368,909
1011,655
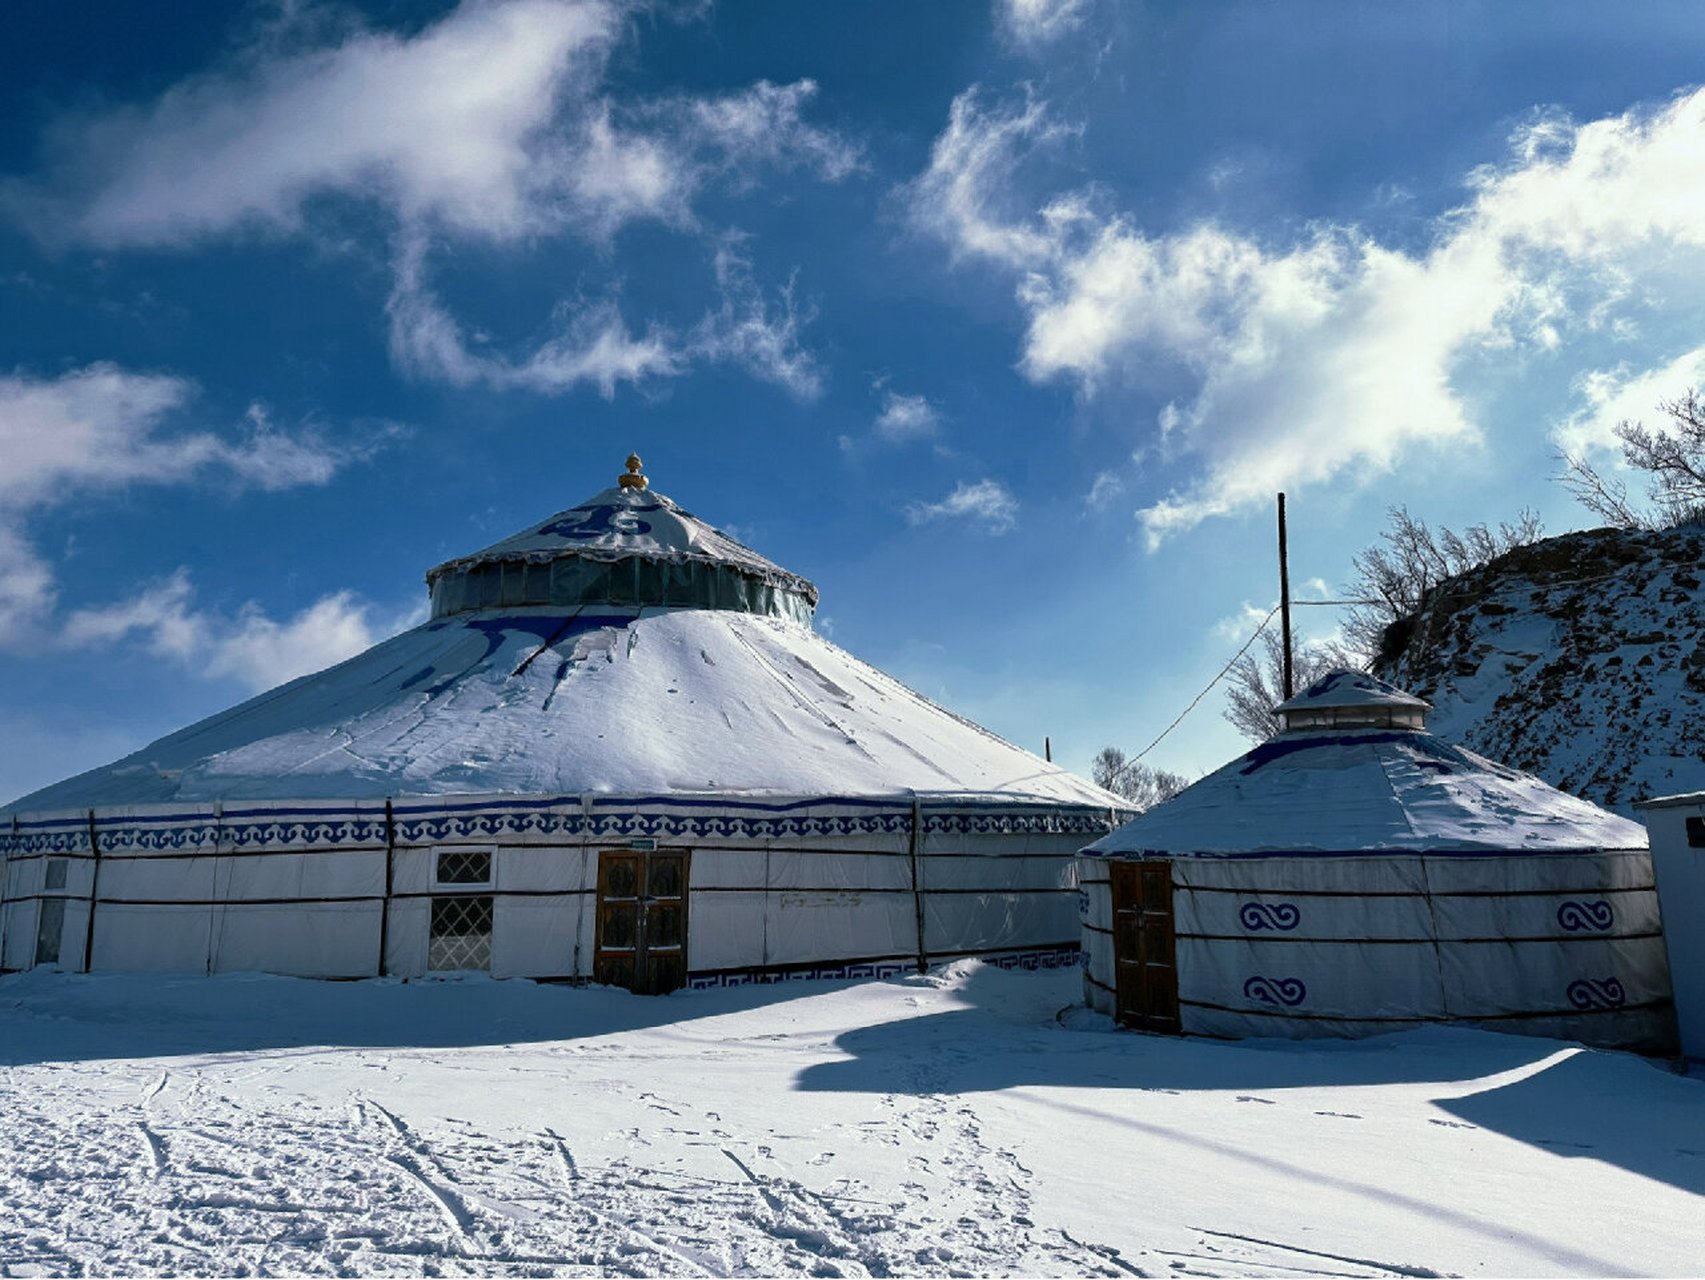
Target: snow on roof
568,701
1356,790
626,522
1350,689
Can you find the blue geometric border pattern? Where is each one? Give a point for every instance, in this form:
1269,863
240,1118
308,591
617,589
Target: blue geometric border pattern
1028,961
561,817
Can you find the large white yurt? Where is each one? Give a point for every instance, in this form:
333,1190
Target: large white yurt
617,750
1354,874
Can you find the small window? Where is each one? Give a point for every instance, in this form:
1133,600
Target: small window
464,866
55,874
1696,833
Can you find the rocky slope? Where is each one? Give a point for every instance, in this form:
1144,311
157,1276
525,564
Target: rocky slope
1579,658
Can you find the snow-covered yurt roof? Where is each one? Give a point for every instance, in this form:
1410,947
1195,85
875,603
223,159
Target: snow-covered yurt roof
622,646
1330,783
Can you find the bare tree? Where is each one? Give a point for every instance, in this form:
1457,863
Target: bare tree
1143,785
1673,461
1391,579
1256,680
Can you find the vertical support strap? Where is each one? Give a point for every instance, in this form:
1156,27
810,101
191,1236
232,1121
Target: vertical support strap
94,895
917,881
390,872
5,857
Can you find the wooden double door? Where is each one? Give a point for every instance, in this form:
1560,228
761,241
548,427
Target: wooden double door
1145,958
642,920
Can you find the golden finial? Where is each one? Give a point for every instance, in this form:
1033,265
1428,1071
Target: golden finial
633,479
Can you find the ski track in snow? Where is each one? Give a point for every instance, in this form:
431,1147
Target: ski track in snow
704,1147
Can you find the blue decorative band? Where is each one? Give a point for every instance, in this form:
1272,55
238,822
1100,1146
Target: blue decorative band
564,818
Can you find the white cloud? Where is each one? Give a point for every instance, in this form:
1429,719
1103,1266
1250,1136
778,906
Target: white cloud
1332,355
987,502
764,125
1621,394
451,123
746,332
906,418
250,648
593,344
1038,22
1104,490
103,427
493,123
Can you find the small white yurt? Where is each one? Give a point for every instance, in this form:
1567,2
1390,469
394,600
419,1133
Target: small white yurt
1354,874
616,750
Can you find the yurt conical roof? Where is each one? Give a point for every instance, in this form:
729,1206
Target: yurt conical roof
621,646
1354,770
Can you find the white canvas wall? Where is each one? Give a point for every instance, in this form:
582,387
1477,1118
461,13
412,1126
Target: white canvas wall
222,891
1352,945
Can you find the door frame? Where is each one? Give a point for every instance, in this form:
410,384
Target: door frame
641,982
1145,945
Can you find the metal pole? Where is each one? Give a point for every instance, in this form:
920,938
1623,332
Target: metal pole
94,890
1285,599
917,882
385,906
1048,749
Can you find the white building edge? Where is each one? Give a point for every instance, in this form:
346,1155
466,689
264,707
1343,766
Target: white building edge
616,750
1677,827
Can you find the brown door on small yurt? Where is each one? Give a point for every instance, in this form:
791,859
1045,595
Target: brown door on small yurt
642,920
1144,951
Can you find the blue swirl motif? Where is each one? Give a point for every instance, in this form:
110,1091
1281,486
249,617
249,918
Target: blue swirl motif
1255,916
1597,993
1286,991
1594,916
595,522
1083,904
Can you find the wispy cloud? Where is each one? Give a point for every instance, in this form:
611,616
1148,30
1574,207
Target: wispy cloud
1334,354
251,648
985,502
593,344
1034,23
1623,394
104,428
905,418
494,123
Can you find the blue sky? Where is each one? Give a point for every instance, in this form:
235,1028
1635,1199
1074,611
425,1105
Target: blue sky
1000,321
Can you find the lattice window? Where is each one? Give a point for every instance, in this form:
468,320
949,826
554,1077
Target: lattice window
464,866
55,874
461,934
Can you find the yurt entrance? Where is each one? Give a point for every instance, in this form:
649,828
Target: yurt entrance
1144,947
642,919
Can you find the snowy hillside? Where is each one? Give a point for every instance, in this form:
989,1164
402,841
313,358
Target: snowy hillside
1580,659
956,1124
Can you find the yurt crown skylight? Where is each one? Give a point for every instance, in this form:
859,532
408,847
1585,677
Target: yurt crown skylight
1351,700
628,545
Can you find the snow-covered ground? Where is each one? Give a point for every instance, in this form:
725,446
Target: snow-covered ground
954,1124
